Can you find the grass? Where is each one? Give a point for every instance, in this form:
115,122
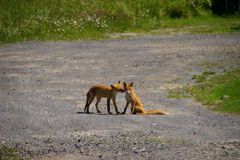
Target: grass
7,153
93,19
219,91
202,77
213,90
204,24
179,141
177,93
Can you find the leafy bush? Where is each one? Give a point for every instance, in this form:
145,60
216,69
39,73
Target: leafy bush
187,8
74,19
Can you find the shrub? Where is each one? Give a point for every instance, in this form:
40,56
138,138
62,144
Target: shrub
74,19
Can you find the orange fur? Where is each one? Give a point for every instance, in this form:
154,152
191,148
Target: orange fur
99,91
137,107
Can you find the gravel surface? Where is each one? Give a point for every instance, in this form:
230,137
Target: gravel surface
44,85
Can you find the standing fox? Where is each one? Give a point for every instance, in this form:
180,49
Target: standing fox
137,107
99,91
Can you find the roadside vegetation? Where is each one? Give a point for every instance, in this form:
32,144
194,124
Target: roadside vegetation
93,19
219,91
7,153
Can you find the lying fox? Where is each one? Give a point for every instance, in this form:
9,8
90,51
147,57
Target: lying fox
99,91
137,107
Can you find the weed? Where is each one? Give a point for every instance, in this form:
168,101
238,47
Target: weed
236,28
202,77
177,93
220,91
179,141
176,79
83,19
206,73
215,88
199,78
7,153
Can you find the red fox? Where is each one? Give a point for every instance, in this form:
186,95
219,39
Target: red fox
137,107
99,91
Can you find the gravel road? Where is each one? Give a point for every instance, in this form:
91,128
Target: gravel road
44,85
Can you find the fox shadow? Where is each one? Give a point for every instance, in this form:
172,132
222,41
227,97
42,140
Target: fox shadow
85,113
97,113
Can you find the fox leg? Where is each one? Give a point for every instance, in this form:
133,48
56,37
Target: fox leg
86,105
115,105
125,109
108,105
89,101
98,100
133,108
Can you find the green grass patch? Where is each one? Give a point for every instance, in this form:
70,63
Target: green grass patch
84,19
199,78
200,25
206,73
202,77
179,141
176,79
177,93
7,153
221,91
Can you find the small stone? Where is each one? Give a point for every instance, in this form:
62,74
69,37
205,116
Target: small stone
225,96
218,101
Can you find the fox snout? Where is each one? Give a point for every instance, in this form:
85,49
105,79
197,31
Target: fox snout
121,90
128,91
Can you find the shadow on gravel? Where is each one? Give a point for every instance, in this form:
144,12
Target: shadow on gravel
84,113
104,114
94,113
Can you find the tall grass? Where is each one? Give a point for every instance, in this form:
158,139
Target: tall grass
73,19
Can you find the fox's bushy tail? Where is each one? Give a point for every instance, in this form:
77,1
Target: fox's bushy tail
160,112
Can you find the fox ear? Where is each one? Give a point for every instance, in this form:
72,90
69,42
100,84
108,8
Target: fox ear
124,84
119,82
112,86
131,84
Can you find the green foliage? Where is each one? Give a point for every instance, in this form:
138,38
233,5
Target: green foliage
199,78
206,73
202,77
212,92
7,153
74,19
220,91
177,93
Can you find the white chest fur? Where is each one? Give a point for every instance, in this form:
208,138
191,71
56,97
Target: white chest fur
128,96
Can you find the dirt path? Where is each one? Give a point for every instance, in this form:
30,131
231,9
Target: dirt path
43,87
